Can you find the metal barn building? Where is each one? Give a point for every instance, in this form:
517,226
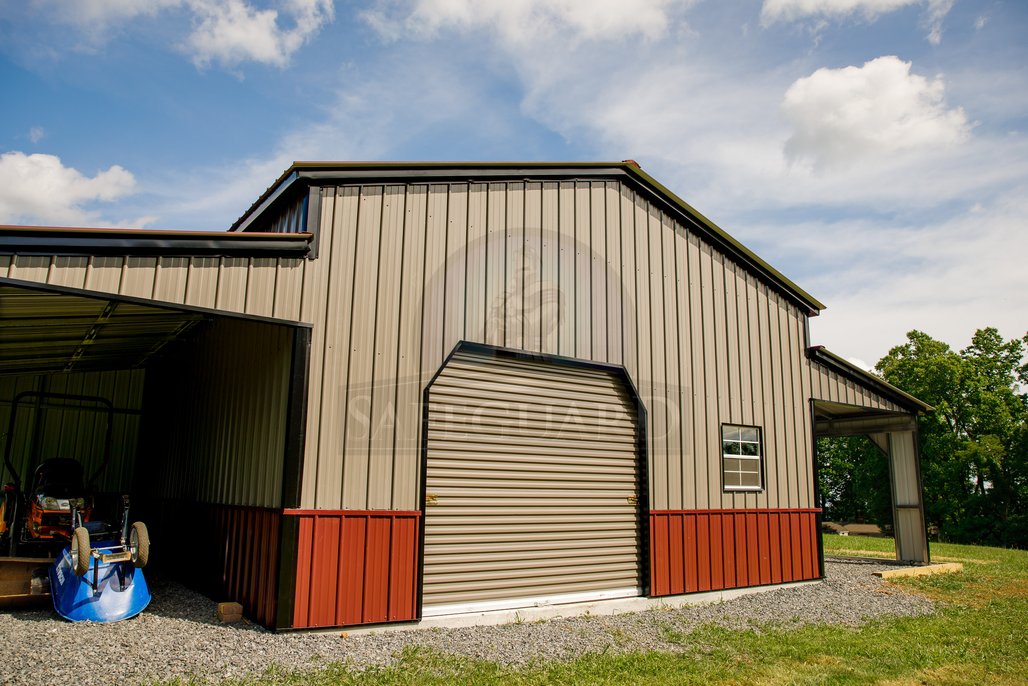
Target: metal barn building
393,391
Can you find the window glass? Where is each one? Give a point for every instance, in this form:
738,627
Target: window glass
741,456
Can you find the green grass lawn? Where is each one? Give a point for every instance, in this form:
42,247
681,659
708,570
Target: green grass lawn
977,637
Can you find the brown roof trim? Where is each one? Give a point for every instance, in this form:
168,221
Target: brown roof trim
60,240
302,175
872,382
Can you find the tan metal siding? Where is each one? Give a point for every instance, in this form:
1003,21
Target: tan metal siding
406,457
697,426
567,286
496,267
671,396
532,473
234,284
385,379
613,273
584,269
475,289
827,384
360,374
313,309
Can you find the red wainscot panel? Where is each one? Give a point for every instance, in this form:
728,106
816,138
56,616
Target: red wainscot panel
355,567
709,550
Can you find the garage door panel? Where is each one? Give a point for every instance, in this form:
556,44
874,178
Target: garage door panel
610,434
461,594
456,533
532,483
471,365
565,405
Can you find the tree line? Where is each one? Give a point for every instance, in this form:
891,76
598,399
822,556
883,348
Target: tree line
974,443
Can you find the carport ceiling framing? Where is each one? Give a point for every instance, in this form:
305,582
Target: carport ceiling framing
43,331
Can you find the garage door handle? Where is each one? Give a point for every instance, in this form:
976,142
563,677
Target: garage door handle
633,500
431,499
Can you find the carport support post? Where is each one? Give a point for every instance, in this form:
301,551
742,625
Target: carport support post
907,504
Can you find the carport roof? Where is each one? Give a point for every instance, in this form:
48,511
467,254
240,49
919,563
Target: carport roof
821,355
300,176
54,331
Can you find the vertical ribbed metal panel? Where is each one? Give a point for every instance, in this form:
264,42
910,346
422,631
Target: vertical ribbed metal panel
290,218
216,416
355,567
584,269
532,483
708,550
260,286
827,384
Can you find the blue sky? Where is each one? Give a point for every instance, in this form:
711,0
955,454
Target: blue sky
873,150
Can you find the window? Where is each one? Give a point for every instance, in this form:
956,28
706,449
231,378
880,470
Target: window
740,458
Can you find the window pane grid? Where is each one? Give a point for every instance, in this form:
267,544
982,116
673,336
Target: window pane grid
741,456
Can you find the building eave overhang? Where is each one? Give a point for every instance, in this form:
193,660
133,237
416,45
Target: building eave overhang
303,175
75,241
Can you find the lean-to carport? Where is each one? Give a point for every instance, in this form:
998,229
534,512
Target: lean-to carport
195,341
847,401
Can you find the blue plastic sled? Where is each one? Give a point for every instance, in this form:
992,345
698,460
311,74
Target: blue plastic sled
108,592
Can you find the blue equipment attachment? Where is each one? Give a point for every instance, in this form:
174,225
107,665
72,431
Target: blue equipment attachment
112,589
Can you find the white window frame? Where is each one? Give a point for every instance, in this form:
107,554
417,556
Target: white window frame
758,458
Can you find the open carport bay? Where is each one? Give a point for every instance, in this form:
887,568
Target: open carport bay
199,431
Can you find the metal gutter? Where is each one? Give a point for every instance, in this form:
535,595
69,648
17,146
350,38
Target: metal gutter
52,240
825,357
302,175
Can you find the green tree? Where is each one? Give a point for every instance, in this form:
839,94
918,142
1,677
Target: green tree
853,480
974,444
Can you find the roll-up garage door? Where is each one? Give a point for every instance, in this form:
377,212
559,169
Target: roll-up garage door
531,487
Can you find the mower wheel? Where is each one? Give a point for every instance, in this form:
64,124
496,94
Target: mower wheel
139,544
80,552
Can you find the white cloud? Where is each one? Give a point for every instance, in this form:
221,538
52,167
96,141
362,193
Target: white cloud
790,10
229,32
40,189
935,11
878,109
232,31
934,15
947,279
98,15
36,134
525,21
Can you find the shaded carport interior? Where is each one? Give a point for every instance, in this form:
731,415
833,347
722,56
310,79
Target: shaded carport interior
201,423
891,425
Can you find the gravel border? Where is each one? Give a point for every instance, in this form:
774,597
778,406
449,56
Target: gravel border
178,635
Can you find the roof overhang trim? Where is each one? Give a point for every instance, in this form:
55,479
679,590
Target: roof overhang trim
45,240
304,175
821,355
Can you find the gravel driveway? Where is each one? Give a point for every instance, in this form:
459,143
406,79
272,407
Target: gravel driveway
178,635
